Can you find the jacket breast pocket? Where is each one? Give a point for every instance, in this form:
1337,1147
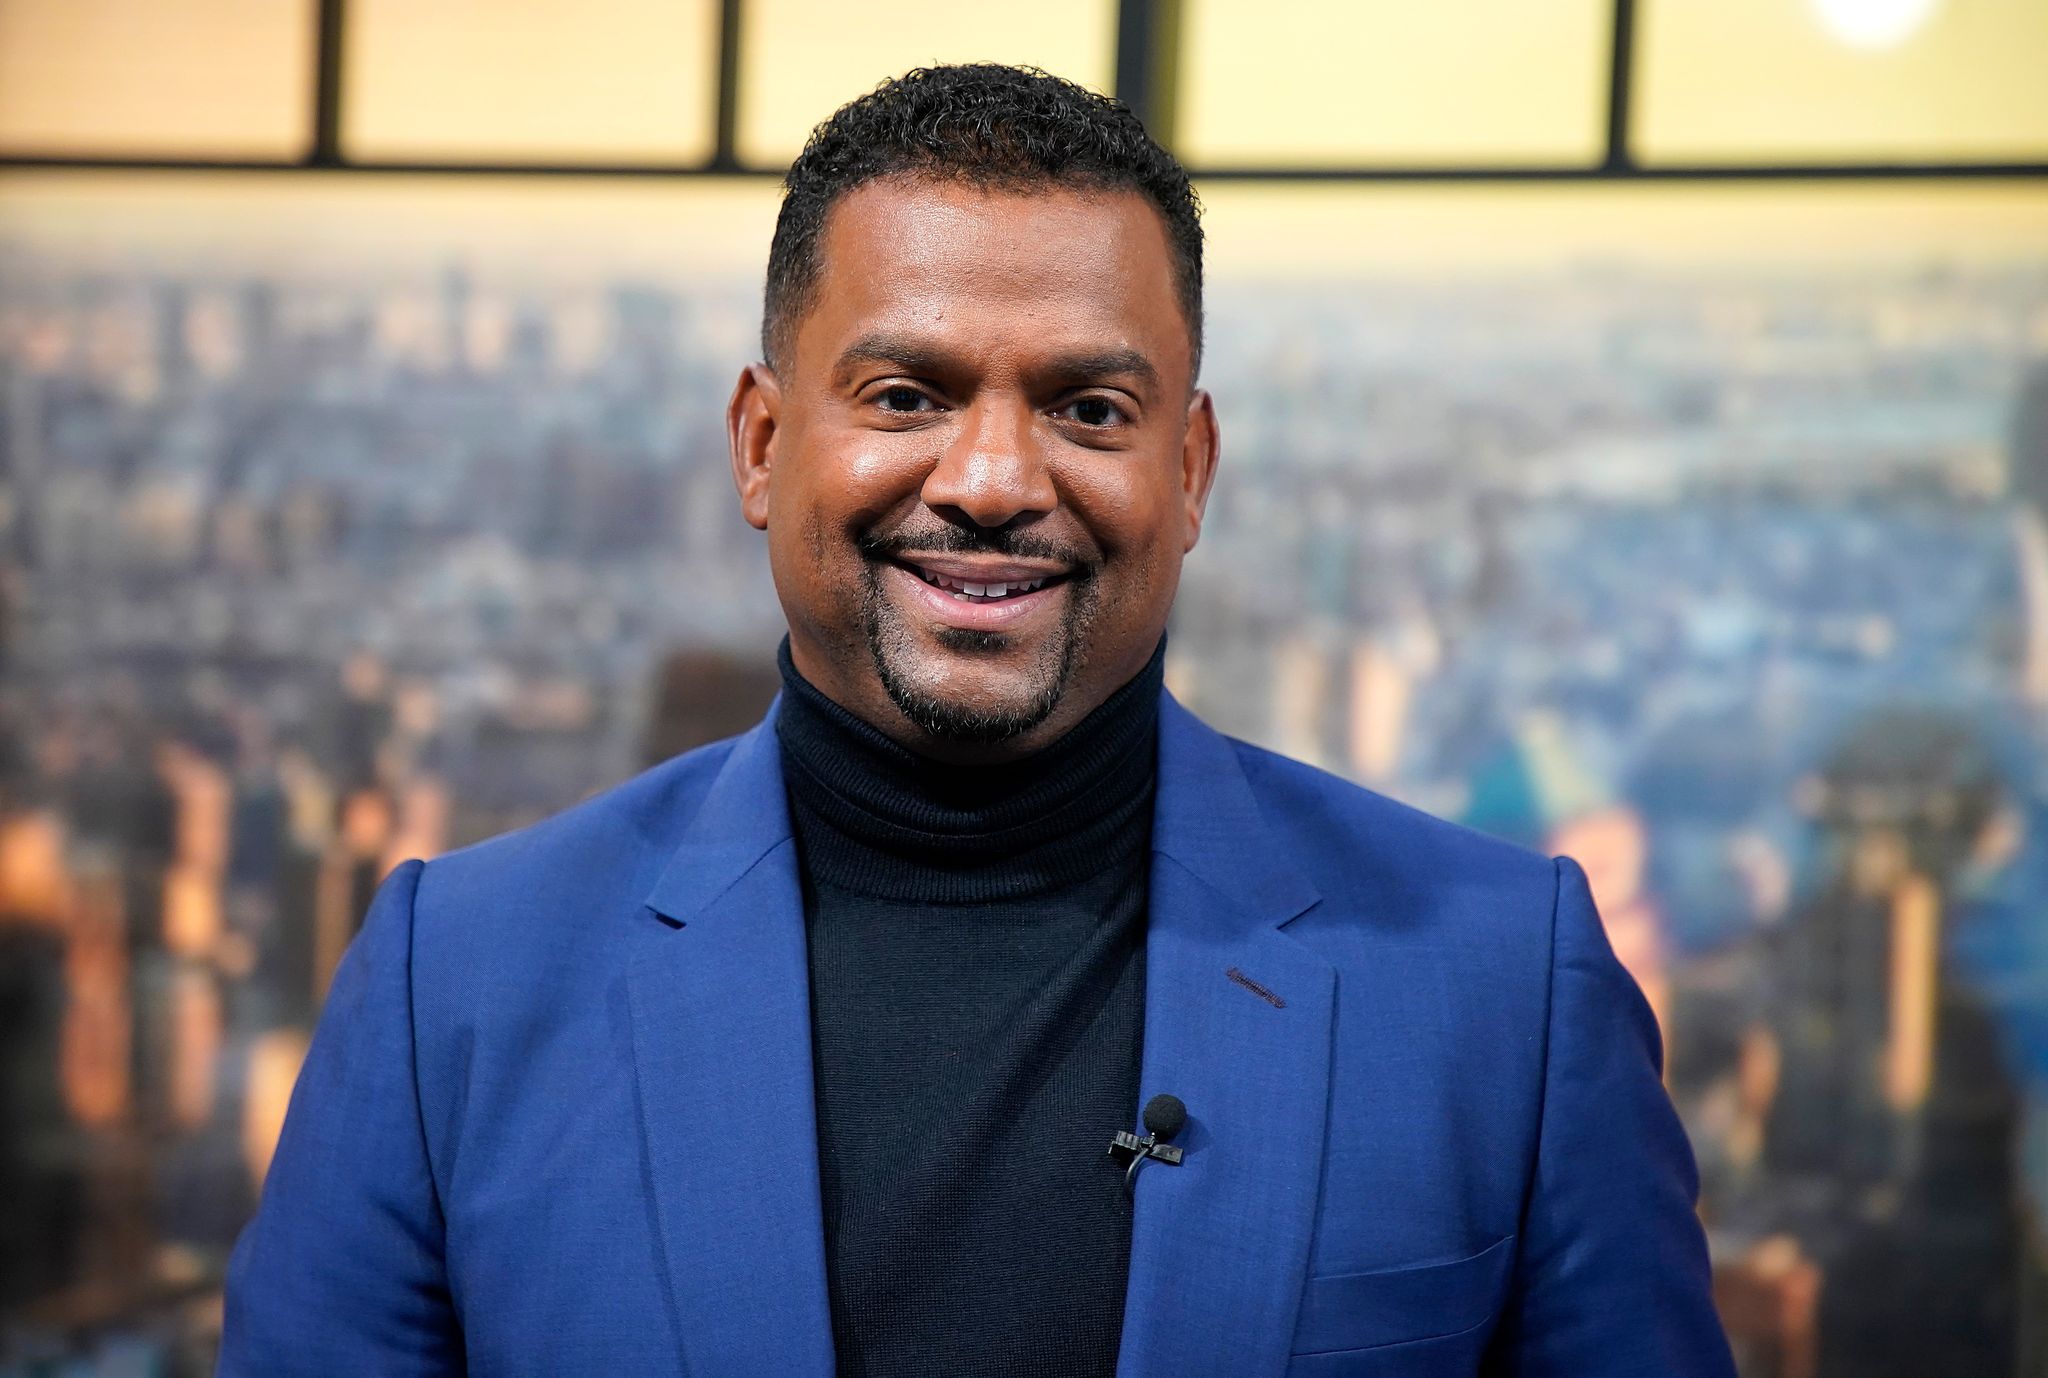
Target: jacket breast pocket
1393,1309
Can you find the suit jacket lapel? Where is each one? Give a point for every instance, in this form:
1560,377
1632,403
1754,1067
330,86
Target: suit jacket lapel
1237,1024
719,1000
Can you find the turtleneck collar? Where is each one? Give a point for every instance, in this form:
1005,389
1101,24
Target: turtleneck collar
876,818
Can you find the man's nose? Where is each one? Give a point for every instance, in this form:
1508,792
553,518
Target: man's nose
995,470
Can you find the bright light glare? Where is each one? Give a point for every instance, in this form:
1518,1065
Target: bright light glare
1874,23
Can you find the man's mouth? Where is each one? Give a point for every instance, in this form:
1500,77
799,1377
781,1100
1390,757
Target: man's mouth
993,585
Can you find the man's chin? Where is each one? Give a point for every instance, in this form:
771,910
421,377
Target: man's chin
978,705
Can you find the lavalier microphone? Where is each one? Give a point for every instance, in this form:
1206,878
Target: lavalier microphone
1164,1117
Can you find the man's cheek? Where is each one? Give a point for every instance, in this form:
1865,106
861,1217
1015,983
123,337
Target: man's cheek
817,541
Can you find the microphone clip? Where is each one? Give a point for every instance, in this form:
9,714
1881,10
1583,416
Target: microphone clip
1128,1149
1132,1153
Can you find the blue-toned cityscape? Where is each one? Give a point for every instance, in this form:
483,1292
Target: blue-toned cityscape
1731,583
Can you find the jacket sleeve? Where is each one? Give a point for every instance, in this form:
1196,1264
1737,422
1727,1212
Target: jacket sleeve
1612,1278
342,1269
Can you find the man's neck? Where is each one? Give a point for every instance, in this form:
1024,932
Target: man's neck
876,818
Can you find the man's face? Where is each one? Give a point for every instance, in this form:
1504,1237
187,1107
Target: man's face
981,460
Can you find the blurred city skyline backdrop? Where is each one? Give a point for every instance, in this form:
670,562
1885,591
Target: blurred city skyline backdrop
1695,529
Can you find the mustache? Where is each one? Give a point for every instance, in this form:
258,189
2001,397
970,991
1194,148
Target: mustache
978,540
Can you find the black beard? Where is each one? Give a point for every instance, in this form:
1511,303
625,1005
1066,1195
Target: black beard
965,724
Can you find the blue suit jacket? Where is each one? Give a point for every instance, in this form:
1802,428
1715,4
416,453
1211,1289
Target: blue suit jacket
558,1120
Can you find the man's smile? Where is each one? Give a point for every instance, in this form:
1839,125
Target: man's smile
975,594
983,578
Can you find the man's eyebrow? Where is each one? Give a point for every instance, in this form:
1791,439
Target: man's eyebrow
1107,363
902,351
921,357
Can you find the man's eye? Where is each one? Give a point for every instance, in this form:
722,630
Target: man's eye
903,399
1094,411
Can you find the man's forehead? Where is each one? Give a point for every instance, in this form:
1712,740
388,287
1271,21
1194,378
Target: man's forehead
962,225
913,252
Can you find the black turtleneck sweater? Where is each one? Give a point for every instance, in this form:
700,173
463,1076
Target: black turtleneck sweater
977,1002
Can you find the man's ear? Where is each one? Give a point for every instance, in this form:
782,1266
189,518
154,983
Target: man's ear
751,421
1200,447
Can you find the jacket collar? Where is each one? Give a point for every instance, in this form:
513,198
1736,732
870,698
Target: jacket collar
743,816
1209,822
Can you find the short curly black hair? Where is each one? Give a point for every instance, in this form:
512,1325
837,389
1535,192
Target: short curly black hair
988,125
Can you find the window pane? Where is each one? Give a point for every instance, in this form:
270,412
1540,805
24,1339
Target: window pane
156,78
1289,82
565,80
802,59
1841,80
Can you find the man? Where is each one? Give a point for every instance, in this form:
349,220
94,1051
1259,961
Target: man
805,1050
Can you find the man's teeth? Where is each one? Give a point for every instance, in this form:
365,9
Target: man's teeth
964,589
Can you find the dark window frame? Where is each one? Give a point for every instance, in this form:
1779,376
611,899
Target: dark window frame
1147,48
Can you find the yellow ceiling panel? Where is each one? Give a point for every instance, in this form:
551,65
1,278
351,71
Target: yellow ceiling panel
1299,83
802,59
1841,80
548,80
156,78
